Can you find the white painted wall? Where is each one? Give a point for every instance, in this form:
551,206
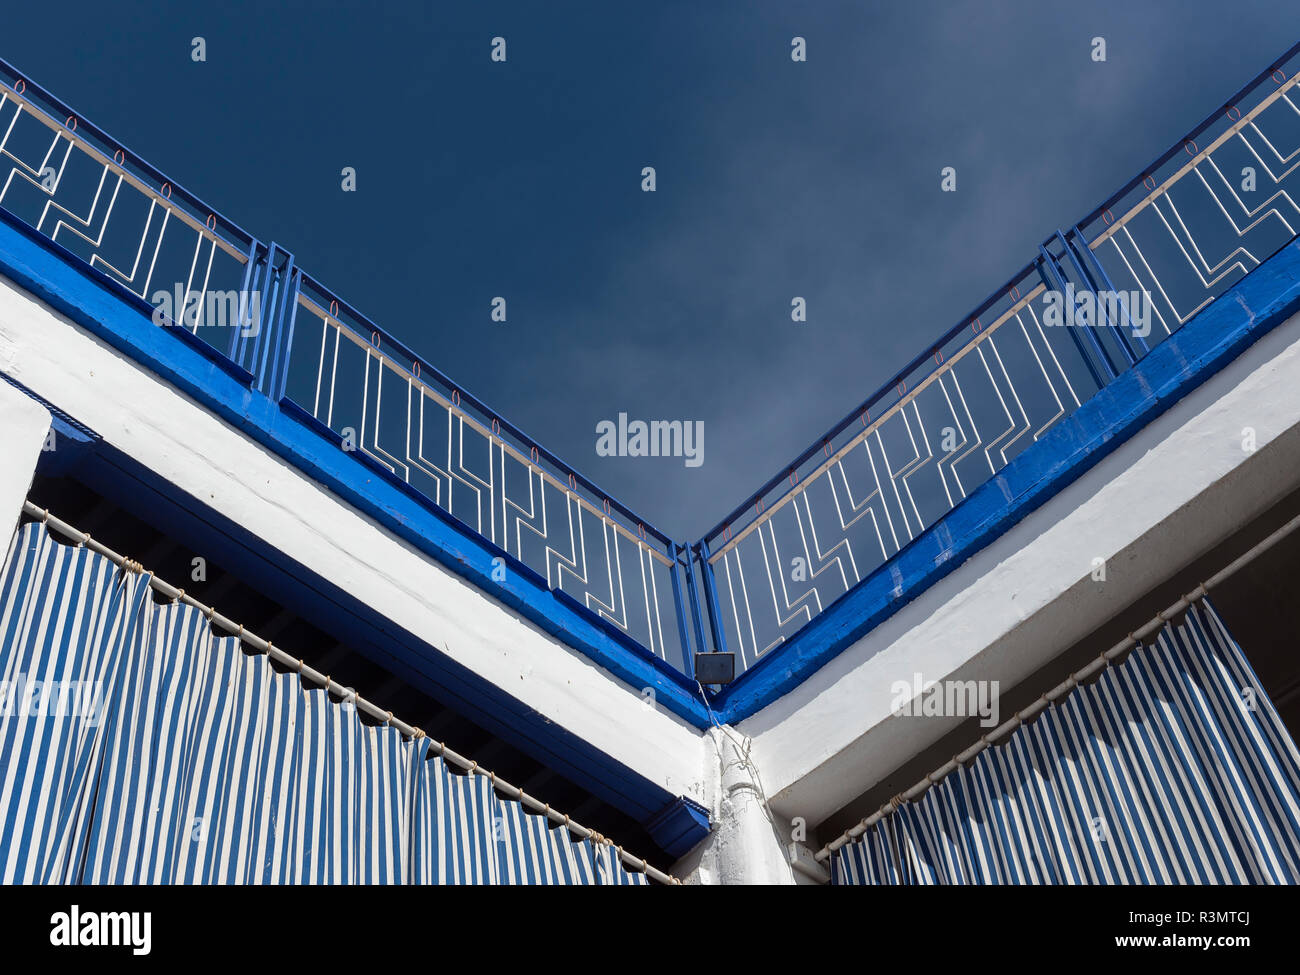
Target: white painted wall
1170,494
157,425
24,424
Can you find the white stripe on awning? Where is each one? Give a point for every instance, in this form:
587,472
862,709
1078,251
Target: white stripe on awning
205,765
1172,767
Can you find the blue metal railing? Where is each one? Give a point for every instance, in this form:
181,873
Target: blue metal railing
298,342
1177,235
890,469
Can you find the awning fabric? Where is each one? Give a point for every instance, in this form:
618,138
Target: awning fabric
1172,767
186,759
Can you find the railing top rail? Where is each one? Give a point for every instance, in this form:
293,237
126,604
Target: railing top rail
1115,224
875,398
451,404
792,479
743,509
1177,147
985,332
389,344
38,100
76,127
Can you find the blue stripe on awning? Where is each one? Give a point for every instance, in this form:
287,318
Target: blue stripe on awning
208,766
1172,767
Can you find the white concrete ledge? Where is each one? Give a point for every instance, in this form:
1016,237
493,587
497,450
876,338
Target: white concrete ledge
158,426
1168,495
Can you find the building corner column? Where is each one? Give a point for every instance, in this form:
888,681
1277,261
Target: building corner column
748,843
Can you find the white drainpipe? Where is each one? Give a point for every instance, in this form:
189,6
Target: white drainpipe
748,843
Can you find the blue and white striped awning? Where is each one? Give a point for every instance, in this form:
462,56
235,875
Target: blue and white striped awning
1173,767
137,745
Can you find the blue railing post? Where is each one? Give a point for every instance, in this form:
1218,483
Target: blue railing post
688,653
264,353
284,346
1086,278
1055,281
1086,249
692,590
255,284
279,271
252,268
711,595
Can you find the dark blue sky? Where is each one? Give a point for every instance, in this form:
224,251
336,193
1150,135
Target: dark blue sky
775,179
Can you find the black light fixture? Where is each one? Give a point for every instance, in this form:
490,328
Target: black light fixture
715,668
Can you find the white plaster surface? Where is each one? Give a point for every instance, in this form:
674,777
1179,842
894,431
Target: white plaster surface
24,424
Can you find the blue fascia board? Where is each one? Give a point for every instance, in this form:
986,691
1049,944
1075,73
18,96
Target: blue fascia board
1265,298
122,319
353,622
1260,301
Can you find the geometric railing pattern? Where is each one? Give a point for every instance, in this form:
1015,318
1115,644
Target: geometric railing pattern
405,416
294,338
1093,300
1187,229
